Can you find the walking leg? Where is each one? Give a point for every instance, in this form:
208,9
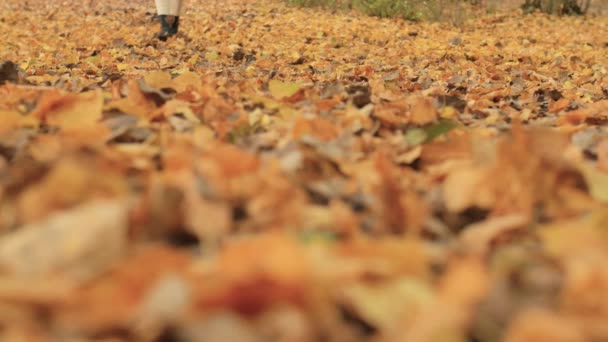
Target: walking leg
168,14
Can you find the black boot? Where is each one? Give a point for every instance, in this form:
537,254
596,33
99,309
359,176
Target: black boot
175,26
169,25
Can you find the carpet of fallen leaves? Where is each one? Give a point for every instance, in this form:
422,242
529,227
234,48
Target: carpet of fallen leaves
283,174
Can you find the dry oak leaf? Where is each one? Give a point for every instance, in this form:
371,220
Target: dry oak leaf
70,111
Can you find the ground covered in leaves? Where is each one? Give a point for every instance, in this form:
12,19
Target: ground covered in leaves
283,174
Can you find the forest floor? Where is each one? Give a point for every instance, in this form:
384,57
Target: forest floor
282,174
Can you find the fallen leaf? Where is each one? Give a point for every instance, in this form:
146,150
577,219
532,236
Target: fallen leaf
422,110
281,90
597,181
70,111
478,237
61,244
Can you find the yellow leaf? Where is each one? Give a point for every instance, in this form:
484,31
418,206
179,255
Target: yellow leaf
597,182
181,71
255,116
10,120
211,55
268,103
448,112
186,80
181,107
192,60
570,237
158,79
135,104
25,65
385,305
280,90
492,118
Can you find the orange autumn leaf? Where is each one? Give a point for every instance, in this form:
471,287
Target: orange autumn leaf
70,111
232,161
11,120
294,174
256,274
602,155
124,284
558,106
316,127
158,79
422,110
136,102
71,182
327,104
187,81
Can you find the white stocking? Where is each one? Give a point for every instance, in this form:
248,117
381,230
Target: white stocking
169,7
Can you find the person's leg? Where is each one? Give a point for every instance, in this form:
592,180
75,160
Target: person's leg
168,13
176,7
